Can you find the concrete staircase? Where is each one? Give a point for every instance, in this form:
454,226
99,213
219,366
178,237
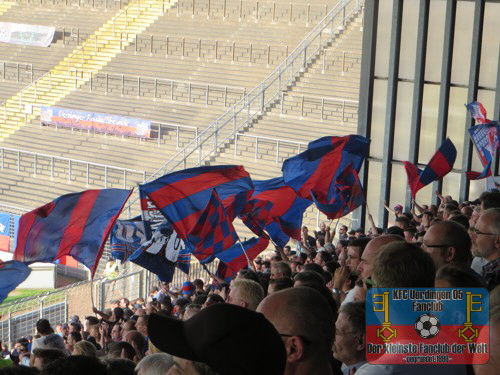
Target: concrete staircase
95,53
322,102
257,44
5,6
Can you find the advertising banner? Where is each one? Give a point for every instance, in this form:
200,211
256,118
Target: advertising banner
29,35
427,326
4,231
97,122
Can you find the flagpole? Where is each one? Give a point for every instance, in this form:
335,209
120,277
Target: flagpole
336,225
92,294
250,263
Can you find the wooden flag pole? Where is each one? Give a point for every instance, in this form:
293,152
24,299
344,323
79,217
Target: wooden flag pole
92,294
250,263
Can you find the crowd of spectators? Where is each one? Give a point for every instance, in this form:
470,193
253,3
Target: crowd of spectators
299,310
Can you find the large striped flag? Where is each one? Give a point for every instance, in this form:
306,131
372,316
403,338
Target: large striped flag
349,195
76,224
183,196
213,233
439,166
278,207
236,258
316,170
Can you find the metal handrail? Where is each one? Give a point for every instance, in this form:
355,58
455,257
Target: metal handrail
300,144
276,141
65,3
255,102
84,72
258,91
317,97
36,155
72,160
14,208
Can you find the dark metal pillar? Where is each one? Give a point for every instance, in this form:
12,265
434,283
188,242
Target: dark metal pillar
475,63
418,86
444,94
366,84
390,117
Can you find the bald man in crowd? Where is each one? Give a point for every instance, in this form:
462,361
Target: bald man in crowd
448,242
306,323
366,263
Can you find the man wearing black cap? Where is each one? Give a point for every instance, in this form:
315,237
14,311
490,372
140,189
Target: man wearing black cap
221,339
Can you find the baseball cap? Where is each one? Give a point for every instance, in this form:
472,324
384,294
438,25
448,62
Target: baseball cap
398,207
228,338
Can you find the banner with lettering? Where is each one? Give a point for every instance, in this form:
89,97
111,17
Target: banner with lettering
427,326
97,122
4,231
29,35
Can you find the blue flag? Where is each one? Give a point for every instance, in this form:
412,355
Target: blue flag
126,237
12,274
160,254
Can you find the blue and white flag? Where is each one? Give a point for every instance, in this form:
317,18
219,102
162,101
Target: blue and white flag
126,237
160,254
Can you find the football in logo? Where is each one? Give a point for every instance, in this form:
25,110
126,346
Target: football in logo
427,326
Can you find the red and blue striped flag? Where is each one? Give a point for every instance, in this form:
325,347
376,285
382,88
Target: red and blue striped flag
236,259
213,232
439,166
279,208
183,196
349,195
76,224
316,170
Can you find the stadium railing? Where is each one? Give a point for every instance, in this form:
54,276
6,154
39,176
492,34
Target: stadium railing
62,167
268,92
18,318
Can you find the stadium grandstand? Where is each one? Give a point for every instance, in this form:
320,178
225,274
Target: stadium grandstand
218,82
